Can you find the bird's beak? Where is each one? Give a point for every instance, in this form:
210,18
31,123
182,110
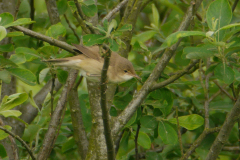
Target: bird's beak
138,78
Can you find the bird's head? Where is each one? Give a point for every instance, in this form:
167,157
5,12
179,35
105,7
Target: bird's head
125,70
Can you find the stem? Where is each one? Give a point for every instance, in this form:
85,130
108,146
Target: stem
21,141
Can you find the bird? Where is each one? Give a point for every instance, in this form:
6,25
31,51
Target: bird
90,63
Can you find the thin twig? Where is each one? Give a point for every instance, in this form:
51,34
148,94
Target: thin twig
189,69
136,142
78,83
17,9
224,91
198,141
42,37
70,26
179,132
214,96
51,92
234,5
20,140
114,10
32,11
80,12
105,112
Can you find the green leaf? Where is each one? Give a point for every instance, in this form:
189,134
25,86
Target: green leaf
144,140
151,155
111,26
224,73
88,2
72,6
30,54
121,102
62,6
43,74
18,58
6,18
165,97
92,39
3,32
47,51
155,15
148,121
113,45
20,21
189,122
62,76
15,34
68,145
33,103
143,37
132,120
3,152
30,132
24,75
13,100
174,37
124,140
125,27
201,52
3,134
5,76
6,48
61,139
6,62
56,30
219,11
113,112
167,133
8,113
228,27
89,10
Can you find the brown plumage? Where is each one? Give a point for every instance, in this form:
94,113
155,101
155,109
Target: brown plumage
90,63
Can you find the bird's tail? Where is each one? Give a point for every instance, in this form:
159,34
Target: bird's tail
65,62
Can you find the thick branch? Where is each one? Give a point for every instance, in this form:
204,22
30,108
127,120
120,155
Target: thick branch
42,37
224,133
51,135
21,141
79,133
52,11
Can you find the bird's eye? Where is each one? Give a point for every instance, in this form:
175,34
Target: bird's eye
125,71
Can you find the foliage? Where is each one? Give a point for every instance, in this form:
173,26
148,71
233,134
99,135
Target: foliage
177,107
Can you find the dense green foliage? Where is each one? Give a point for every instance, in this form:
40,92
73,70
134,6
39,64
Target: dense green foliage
213,37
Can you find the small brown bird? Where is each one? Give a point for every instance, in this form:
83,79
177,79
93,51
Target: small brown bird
90,63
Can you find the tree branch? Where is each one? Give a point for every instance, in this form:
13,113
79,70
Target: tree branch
114,10
224,133
42,37
189,69
51,135
198,141
79,132
20,140
105,112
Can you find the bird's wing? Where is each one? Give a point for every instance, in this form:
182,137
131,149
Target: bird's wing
90,52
